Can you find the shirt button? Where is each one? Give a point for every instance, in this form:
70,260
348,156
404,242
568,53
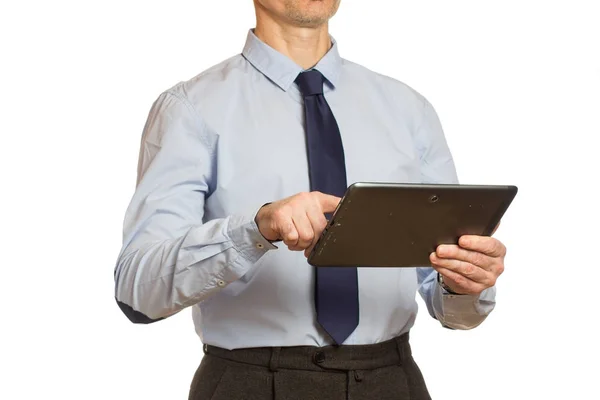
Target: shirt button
259,245
221,283
319,357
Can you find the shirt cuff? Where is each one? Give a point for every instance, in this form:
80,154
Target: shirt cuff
457,311
249,243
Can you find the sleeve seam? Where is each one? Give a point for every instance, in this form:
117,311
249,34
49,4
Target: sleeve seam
424,105
185,101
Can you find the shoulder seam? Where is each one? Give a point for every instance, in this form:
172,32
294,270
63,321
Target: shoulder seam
184,100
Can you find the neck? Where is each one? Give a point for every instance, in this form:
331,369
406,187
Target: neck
304,45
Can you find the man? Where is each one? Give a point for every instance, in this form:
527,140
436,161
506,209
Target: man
257,150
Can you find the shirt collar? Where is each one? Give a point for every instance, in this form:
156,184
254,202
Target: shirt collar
282,70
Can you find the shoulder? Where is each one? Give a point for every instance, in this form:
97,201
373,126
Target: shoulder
397,95
183,107
387,85
193,101
213,83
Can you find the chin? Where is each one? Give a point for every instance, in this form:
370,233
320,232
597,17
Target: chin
311,12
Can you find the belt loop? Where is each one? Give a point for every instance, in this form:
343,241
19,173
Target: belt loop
205,348
274,362
400,348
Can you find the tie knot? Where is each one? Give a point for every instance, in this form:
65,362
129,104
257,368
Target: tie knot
310,82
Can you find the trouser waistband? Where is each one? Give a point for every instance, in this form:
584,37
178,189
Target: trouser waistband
312,358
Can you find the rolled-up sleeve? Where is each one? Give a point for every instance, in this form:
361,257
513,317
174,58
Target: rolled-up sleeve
170,257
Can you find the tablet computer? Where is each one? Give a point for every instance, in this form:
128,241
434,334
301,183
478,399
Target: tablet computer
399,225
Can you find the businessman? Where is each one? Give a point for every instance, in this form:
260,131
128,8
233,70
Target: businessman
237,169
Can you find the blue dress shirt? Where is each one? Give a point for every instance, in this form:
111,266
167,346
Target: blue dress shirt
218,147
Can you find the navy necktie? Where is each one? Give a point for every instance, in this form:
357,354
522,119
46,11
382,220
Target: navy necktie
336,289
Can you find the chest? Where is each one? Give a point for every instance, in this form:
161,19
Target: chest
261,154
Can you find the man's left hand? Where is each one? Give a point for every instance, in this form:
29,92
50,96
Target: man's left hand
472,266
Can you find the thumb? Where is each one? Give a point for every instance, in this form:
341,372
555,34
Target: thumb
328,202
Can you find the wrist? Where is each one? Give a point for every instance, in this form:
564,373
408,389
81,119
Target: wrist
443,285
266,234
260,213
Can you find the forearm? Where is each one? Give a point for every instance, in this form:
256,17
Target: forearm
160,278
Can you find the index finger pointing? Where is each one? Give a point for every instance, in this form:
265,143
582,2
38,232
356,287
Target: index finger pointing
483,244
327,202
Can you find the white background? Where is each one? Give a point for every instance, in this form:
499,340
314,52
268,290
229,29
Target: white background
517,87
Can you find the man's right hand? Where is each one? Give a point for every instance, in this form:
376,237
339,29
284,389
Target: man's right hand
298,220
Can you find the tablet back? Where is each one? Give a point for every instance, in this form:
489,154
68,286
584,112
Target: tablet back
399,225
